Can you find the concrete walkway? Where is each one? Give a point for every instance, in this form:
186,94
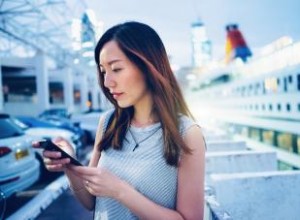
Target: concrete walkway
66,207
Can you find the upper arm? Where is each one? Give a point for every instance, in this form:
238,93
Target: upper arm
99,133
190,195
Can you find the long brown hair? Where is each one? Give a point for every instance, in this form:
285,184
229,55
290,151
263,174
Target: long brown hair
142,45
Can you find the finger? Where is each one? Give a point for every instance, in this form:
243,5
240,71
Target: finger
64,145
51,154
84,177
89,189
86,183
73,169
80,175
63,161
57,167
60,141
36,144
89,185
83,170
46,160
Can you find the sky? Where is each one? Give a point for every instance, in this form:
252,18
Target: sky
260,21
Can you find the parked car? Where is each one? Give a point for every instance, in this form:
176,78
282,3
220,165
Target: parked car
54,122
50,133
89,123
61,112
39,133
19,167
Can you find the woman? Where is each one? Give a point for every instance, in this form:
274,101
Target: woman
148,156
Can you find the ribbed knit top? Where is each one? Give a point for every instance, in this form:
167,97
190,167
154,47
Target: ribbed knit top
144,168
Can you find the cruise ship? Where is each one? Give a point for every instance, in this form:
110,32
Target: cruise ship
255,98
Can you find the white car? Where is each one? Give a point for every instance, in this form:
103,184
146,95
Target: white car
50,133
19,167
39,133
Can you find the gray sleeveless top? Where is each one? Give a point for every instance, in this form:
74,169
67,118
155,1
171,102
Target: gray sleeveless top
144,168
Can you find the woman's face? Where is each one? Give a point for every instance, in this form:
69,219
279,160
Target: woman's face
124,80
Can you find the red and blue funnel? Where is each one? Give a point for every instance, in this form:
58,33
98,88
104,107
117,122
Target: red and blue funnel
236,46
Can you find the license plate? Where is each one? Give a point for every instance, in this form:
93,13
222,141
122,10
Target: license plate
21,154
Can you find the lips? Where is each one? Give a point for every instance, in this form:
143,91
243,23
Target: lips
116,95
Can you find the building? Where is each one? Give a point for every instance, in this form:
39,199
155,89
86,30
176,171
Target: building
201,45
58,73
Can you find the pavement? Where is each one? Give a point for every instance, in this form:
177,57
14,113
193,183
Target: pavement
66,207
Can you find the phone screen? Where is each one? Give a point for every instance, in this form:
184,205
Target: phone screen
49,145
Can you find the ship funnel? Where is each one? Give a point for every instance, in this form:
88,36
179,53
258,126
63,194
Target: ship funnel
236,46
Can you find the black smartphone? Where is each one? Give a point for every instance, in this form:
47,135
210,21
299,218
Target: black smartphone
49,145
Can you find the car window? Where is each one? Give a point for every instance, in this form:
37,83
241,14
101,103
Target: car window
8,129
57,112
19,123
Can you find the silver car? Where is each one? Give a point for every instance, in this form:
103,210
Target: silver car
19,169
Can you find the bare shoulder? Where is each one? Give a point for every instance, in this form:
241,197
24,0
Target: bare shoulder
193,160
194,138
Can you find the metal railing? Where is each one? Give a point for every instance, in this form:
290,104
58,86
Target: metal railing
213,209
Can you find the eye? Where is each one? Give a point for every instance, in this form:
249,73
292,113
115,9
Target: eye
117,70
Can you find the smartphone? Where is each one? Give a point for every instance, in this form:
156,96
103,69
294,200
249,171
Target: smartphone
49,145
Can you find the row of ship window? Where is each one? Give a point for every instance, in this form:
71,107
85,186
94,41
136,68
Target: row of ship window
271,84
272,107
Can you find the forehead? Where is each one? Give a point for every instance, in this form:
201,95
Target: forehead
111,51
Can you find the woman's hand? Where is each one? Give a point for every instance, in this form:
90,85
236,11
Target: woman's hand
100,182
52,159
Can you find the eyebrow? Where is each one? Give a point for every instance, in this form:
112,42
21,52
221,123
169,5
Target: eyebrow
112,61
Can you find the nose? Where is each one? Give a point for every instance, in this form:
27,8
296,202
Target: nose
109,81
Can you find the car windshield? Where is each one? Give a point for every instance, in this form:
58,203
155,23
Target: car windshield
9,129
57,112
19,124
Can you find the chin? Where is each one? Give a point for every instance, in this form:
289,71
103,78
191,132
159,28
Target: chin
124,104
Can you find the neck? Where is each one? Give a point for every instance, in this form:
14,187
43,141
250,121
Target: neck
141,119
143,123
144,115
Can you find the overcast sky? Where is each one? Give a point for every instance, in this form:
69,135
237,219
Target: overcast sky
261,21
